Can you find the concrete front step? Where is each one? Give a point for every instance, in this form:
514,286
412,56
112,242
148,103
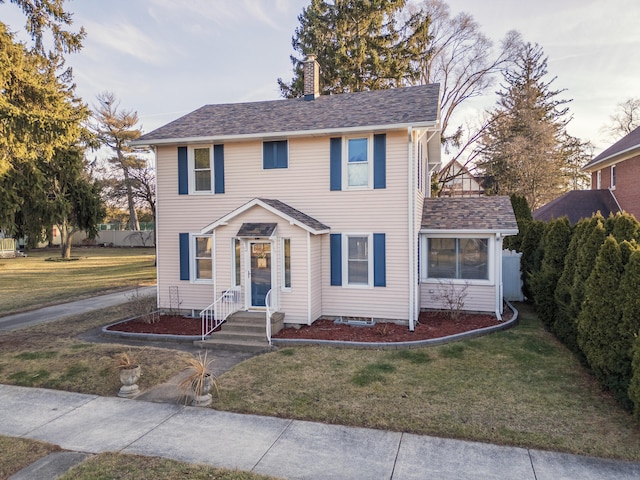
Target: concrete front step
244,331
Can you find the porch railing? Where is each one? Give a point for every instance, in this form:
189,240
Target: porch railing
269,310
216,313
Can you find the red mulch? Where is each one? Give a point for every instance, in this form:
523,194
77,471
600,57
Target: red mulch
431,325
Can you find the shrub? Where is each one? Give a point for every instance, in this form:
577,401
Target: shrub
531,254
634,387
554,245
523,216
622,226
600,319
629,325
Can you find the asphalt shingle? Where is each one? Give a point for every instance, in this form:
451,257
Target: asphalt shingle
468,213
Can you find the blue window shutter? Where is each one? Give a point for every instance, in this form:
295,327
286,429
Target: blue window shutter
274,154
379,260
183,171
336,163
336,259
380,161
184,256
218,168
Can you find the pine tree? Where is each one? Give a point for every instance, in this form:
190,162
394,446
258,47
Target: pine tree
599,320
523,216
358,44
623,226
555,243
523,147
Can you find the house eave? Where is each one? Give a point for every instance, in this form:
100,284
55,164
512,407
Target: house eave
610,159
288,134
468,231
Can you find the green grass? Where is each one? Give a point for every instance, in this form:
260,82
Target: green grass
108,466
49,356
519,387
32,282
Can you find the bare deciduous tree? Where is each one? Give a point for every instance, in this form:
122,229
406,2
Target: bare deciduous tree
625,119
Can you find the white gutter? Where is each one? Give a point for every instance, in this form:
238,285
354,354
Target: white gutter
413,256
295,133
467,231
616,157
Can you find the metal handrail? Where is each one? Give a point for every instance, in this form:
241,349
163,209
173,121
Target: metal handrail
269,307
215,314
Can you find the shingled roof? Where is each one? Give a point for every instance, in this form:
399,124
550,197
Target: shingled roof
578,204
469,213
408,106
626,144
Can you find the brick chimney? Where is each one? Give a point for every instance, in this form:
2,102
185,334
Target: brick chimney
311,78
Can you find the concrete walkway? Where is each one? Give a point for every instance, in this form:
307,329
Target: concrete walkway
56,312
90,424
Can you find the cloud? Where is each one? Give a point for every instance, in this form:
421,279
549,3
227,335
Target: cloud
124,38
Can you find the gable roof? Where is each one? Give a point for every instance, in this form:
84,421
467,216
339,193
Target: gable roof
578,204
281,209
625,145
478,214
397,107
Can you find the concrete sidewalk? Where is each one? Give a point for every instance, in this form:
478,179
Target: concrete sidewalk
56,312
279,447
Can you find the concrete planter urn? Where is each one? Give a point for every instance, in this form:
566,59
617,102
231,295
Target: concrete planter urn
129,377
202,391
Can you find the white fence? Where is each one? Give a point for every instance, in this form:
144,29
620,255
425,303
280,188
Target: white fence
511,279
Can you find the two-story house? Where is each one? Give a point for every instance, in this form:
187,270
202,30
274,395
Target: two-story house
617,169
315,207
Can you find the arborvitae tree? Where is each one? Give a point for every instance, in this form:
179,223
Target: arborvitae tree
634,386
588,249
599,320
563,325
523,217
358,44
531,254
555,243
629,327
524,147
622,226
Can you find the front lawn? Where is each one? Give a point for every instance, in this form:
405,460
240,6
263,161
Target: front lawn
41,279
518,387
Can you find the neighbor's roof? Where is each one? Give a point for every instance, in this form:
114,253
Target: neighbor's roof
399,107
578,204
626,144
475,214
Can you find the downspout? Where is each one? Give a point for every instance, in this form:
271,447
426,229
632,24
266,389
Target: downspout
155,228
498,276
308,278
411,231
214,262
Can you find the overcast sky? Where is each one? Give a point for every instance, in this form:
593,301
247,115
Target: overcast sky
165,58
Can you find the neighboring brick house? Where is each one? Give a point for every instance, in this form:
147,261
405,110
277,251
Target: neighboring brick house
618,170
316,207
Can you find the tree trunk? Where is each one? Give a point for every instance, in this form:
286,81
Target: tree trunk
134,224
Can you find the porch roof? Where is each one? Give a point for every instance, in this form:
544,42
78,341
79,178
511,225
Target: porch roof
477,214
281,209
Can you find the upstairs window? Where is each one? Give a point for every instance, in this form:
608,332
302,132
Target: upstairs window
202,170
613,176
358,162
275,154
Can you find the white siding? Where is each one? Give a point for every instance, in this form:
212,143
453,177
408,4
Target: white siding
304,185
479,298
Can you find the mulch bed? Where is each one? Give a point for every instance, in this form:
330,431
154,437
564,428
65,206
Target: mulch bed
430,325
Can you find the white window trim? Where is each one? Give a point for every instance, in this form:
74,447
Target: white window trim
193,250
283,286
234,272
262,153
345,162
192,170
612,177
424,259
599,179
345,260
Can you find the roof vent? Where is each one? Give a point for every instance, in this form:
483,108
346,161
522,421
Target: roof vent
311,78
